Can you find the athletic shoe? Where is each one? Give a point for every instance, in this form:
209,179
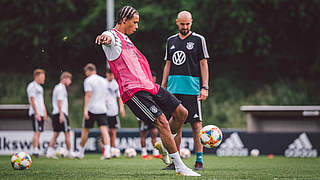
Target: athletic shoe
198,166
51,156
157,156
186,172
146,157
36,155
108,156
164,154
169,167
71,155
79,155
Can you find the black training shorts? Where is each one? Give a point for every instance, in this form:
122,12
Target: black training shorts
193,105
149,107
37,125
57,126
100,118
114,122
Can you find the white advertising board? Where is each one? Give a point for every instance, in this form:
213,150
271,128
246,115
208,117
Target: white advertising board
16,141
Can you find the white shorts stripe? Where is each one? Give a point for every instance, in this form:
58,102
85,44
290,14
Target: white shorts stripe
118,122
143,108
199,109
65,123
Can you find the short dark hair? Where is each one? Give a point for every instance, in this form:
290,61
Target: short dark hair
125,12
37,72
89,67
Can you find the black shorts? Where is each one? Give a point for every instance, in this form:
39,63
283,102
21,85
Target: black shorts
114,122
57,126
145,126
100,118
193,105
149,107
37,125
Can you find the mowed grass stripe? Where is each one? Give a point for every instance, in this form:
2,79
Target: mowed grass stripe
137,168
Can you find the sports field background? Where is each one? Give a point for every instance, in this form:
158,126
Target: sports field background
137,168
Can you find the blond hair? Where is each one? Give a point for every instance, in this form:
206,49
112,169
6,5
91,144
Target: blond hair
66,75
37,72
90,67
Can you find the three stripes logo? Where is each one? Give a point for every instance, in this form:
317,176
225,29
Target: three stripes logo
232,146
301,147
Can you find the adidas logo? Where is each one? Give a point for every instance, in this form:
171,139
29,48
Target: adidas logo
301,147
195,116
172,47
232,146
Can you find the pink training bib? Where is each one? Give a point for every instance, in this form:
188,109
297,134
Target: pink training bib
131,70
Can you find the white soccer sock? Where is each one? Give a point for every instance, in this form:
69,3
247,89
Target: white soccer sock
112,149
107,150
81,150
144,151
155,152
50,150
174,135
38,150
177,161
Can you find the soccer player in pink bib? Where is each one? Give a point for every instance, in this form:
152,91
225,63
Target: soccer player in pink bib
146,99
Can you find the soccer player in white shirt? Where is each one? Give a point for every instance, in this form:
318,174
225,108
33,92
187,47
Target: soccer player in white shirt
113,104
60,121
37,109
94,109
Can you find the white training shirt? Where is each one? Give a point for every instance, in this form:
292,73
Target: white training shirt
112,93
60,93
113,50
36,90
97,85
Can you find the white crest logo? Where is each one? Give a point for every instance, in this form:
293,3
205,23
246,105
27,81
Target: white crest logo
153,109
179,57
189,45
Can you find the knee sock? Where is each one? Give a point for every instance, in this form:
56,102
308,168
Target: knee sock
144,151
177,161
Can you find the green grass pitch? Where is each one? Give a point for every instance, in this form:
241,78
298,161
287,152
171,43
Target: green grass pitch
137,168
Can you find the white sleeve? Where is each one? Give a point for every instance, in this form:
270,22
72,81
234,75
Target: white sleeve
31,91
60,95
87,86
113,50
117,90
